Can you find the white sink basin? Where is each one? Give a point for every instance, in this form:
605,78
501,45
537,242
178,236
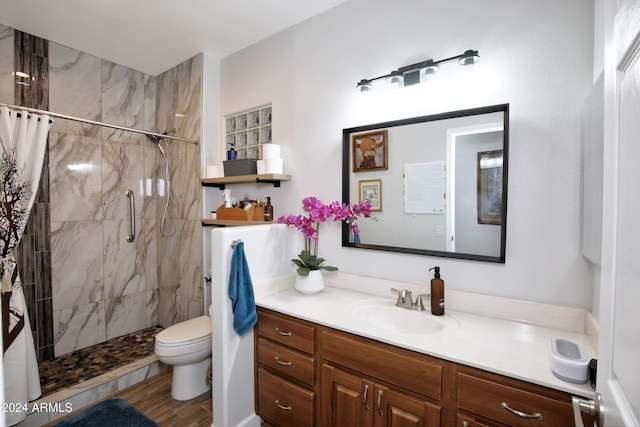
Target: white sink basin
384,315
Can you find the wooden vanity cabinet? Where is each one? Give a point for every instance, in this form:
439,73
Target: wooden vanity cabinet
286,378
350,400
464,420
367,383
311,375
495,400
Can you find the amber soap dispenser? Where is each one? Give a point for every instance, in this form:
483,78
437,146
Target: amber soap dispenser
437,293
268,210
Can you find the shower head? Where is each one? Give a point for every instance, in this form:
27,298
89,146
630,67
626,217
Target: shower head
153,138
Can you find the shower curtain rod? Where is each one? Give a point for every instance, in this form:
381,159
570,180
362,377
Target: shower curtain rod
92,122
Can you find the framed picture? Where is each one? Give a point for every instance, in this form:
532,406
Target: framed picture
369,151
371,191
490,187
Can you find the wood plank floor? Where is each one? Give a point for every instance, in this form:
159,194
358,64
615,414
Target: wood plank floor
153,398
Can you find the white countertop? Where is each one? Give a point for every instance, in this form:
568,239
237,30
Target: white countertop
517,350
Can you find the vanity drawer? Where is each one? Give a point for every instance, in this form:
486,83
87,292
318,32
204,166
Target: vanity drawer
487,399
286,330
463,420
283,403
412,371
286,361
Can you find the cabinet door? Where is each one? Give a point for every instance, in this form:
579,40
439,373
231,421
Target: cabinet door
395,409
346,399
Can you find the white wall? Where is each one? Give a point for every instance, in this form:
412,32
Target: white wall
537,55
267,249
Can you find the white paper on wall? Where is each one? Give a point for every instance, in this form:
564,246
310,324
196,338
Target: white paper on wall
424,188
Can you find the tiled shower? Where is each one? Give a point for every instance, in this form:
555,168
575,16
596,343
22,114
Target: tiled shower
101,286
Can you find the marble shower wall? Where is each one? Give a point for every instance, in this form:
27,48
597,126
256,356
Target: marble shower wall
179,112
103,286
29,54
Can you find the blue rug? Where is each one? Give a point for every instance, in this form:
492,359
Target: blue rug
110,413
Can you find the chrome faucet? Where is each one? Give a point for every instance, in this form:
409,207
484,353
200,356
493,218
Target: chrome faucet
419,305
404,298
405,301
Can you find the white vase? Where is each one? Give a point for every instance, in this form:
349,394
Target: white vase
311,284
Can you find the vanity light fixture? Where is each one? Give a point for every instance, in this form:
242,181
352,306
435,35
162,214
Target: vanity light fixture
430,68
470,57
415,73
395,77
365,85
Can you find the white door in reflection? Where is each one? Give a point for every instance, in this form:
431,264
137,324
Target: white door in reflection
463,147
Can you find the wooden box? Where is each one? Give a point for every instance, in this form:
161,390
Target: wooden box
254,213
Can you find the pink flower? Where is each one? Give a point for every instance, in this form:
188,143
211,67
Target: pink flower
319,212
309,225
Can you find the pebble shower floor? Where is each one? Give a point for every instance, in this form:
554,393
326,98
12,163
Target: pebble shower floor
90,362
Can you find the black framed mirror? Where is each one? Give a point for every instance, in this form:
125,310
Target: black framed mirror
437,183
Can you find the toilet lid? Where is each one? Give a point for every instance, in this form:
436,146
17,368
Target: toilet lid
189,330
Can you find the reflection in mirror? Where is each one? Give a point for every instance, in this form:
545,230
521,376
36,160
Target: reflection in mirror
437,184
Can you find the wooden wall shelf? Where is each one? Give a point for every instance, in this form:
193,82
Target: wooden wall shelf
269,178
233,223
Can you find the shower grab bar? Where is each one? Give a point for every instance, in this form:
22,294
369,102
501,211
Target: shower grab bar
132,204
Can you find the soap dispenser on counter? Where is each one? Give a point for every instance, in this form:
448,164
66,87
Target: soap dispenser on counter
437,293
268,210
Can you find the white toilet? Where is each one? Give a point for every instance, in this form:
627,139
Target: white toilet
187,347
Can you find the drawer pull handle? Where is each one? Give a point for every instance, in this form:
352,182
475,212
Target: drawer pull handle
282,362
364,397
537,415
380,403
283,334
284,408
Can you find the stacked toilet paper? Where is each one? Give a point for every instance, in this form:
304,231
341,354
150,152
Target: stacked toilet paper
212,172
271,160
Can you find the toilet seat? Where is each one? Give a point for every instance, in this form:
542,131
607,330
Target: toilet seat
187,347
191,331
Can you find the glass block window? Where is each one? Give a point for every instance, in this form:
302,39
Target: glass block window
248,131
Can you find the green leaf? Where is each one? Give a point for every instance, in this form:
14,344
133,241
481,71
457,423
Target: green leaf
305,256
298,262
308,262
303,271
